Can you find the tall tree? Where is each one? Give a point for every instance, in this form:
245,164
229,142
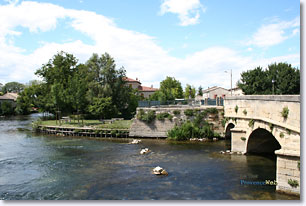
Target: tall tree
200,91
15,87
170,89
189,92
279,78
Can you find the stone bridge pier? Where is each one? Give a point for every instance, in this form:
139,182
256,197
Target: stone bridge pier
267,124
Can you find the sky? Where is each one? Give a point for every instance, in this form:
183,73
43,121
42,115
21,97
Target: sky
195,41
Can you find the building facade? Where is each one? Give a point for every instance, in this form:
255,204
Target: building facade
144,91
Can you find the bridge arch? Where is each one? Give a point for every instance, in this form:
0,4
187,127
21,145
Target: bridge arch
228,133
261,141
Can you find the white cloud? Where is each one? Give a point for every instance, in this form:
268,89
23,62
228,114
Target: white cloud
141,56
274,33
187,11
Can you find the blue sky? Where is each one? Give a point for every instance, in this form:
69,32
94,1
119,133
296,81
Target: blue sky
194,41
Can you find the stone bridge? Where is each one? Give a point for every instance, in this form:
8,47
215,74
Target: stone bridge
267,124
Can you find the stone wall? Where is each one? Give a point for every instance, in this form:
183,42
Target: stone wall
159,128
287,169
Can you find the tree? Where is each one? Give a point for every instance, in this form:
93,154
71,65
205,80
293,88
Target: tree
200,91
56,75
15,87
189,92
7,108
278,79
102,107
107,81
170,89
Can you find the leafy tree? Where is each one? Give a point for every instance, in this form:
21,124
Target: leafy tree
200,91
7,108
189,92
170,89
15,87
278,78
102,107
107,81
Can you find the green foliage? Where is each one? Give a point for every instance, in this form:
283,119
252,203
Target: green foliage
70,87
147,117
236,108
293,183
243,138
211,110
189,112
102,107
258,81
14,87
36,124
298,165
245,112
251,123
288,131
200,91
170,89
189,92
170,117
7,108
281,135
285,112
271,126
176,112
162,116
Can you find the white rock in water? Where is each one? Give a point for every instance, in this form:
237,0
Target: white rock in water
159,171
228,151
144,151
135,141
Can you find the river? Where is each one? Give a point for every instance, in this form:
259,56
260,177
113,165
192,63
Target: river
48,167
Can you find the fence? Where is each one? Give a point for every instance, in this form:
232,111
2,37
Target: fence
208,102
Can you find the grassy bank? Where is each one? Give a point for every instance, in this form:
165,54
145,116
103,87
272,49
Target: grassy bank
121,124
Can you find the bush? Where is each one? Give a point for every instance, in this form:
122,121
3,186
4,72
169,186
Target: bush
251,123
176,112
189,130
285,112
211,110
293,183
189,112
243,138
162,116
281,135
7,108
245,112
236,109
146,116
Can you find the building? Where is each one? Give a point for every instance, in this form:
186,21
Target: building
9,97
214,92
144,91
236,92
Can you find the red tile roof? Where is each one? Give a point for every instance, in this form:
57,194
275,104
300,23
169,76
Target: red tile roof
130,79
146,89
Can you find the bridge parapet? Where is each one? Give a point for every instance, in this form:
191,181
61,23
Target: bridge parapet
267,108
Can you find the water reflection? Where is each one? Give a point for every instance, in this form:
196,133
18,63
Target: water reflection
49,167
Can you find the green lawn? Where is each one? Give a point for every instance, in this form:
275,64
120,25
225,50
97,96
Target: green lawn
122,124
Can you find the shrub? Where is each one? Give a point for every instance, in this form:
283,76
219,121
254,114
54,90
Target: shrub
189,112
298,165
245,112
211,110
162,116
176,112
251,123
170,117
288,131
236,109
293,183
146,116
281,135
243,138
285,112
271,126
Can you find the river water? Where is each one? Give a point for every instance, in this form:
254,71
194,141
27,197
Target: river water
48,167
